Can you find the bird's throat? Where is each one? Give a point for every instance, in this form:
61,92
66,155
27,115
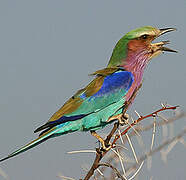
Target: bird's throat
136,63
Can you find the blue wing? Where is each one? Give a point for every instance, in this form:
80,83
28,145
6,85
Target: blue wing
113,88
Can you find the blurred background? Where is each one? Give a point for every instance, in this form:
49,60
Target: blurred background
47,50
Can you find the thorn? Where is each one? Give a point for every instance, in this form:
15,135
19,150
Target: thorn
171,145
122,165
120,136
137,114
99,171
134,129
119,145
132,177
133,151
117,153
162,117
163,105
133,121
81,151
65,177
153,133
121,162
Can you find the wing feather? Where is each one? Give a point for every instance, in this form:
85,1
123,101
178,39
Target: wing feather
104,90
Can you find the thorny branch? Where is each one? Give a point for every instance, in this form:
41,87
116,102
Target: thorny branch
162,122
142,118
100,153
150,153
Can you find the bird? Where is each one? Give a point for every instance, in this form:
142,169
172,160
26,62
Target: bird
103,100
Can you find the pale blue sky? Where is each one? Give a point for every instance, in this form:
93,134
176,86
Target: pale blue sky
47,50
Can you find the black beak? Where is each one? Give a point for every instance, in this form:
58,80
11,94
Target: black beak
163,31
166,30
168,49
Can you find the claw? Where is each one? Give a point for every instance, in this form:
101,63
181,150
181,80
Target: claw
122,118
105,146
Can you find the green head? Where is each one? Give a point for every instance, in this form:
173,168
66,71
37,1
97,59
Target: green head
138,40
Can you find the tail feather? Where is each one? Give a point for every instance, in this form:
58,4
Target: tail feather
32,144
61,120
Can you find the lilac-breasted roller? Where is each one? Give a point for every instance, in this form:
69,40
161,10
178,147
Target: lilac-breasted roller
96,105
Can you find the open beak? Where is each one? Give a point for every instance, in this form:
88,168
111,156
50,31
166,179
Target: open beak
166,30
157,48
163,31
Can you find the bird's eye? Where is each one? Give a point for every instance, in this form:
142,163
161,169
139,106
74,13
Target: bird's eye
144,36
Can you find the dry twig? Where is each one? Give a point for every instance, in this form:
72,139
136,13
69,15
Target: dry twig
160,147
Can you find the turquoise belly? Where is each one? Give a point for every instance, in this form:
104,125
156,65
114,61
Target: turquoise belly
93,121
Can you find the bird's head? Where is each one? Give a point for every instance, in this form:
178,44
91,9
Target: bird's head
137,45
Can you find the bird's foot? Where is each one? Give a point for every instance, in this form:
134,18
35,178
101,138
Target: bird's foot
122,118
106,146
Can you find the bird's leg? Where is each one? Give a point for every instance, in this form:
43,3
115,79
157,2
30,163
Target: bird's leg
105,146
122,118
